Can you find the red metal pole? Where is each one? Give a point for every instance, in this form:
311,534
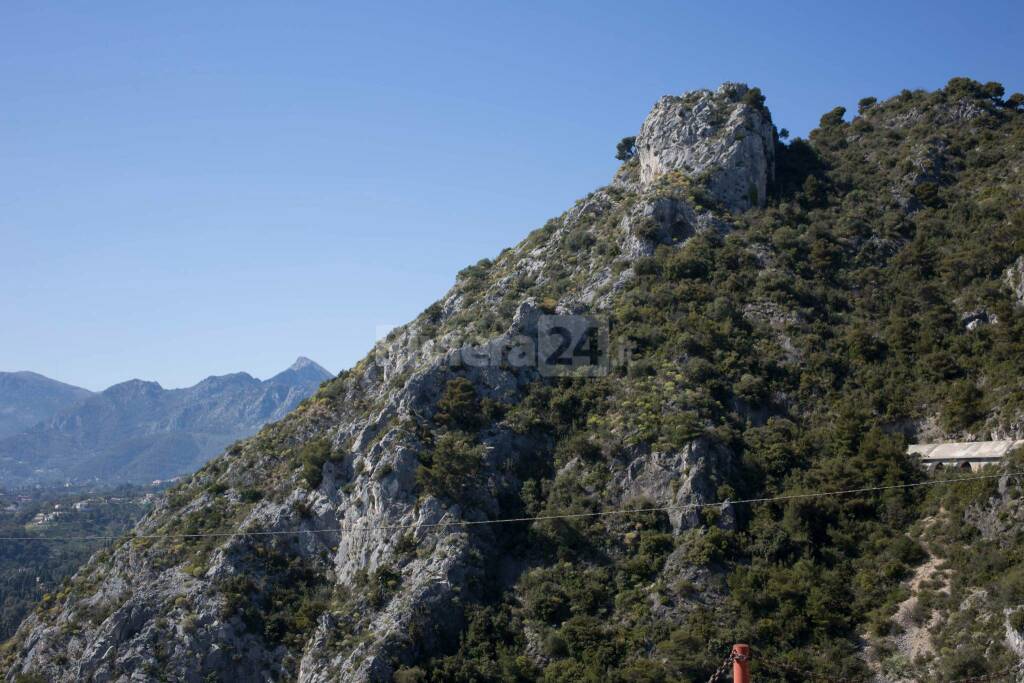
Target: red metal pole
740,663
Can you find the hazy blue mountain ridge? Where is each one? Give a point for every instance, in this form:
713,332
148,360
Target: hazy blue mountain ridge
28,398
137,431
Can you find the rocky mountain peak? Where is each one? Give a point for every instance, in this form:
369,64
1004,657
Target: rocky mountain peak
724,136
303,368
133,388
301,363
27,398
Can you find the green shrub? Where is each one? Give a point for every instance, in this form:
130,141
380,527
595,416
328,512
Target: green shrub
217,488
962,406
1017,620
312,456
410,675
755,98
459,406
250,495
568,671
626,148
30,678
384,582
833,118
545,601
865,103
405,546
451,469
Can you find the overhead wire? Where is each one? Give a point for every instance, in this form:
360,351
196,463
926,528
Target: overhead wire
509,520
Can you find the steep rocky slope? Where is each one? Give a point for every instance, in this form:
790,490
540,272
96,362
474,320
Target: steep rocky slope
138,431
964,600
27,398
782,318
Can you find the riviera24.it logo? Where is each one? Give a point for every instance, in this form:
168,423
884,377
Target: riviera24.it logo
572,345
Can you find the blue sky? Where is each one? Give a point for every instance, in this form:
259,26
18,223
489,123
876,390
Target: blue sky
197,188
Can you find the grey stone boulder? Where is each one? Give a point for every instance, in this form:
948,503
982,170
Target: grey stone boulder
972,320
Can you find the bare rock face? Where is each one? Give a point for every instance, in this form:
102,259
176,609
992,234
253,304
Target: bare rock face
1014,277
686,477
725,136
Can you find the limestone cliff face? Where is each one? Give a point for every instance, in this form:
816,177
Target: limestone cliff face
362,531
724,135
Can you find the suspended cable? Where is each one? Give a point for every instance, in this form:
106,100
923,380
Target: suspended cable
510,520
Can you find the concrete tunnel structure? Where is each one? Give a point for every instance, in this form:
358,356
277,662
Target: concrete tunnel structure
971,455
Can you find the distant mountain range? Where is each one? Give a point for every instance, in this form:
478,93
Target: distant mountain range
135,431
27,398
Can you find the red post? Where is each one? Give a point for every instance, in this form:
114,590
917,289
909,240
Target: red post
740,663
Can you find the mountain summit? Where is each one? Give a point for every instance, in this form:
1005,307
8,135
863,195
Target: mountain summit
725,135
301,363
532,479
302,368
27,398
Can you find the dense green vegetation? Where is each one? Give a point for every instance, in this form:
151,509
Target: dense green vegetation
811,342
278,577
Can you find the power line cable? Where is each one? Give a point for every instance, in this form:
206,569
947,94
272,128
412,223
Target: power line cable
514,520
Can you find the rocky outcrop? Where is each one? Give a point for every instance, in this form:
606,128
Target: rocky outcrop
1014,277
687,477
972,320
723,137
665,220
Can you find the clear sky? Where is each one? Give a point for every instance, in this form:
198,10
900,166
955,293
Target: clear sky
194,188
